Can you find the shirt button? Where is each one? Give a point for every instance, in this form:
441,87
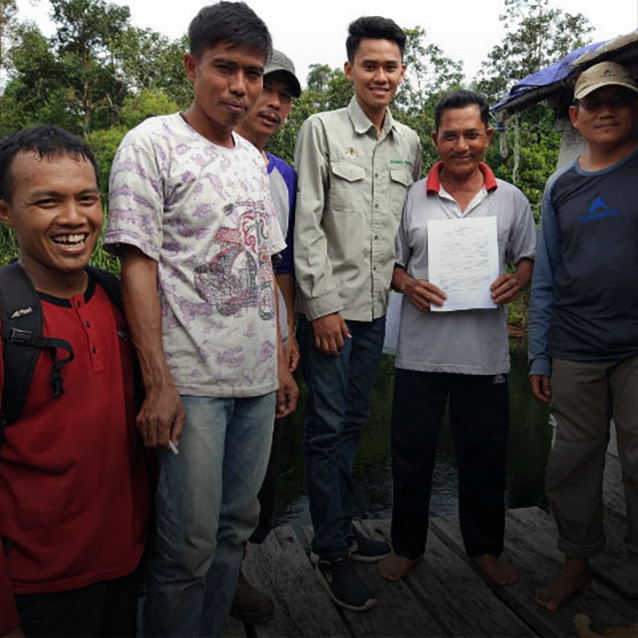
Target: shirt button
376,237
87,324
376,205
78,304
376,174
94,350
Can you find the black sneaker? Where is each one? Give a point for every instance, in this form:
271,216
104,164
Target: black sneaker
364,549
343,585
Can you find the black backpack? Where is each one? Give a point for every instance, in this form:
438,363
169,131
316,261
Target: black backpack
22,338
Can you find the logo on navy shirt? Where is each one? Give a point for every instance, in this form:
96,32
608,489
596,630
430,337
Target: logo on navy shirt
598,210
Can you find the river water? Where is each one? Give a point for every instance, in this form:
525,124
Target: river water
529,442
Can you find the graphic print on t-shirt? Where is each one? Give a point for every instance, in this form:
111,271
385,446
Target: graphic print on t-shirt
238,275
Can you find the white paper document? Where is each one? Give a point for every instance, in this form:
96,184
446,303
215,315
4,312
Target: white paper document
463,261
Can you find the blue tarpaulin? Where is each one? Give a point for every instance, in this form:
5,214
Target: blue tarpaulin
554,74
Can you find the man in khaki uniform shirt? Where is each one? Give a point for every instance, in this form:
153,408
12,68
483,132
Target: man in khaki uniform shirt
354,166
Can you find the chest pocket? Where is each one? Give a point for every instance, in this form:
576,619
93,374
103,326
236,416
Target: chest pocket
400,179
347,186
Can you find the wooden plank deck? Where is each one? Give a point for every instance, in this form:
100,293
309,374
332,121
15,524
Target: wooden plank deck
444,595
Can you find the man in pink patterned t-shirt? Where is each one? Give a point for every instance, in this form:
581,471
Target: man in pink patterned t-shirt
193,220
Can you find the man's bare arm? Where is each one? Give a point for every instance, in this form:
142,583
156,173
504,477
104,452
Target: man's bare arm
507,287
162,414
286,283
288,391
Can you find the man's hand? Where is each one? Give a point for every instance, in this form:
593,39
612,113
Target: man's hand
330,331
292,353
541,387
422,294
287,394
162,416
505,289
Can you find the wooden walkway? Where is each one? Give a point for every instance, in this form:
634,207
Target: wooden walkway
444,595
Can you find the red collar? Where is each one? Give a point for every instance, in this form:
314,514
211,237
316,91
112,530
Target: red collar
433,183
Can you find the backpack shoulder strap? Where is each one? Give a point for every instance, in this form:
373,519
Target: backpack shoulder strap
21,314
111,284
113,288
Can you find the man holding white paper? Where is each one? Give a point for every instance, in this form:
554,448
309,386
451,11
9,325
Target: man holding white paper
459,220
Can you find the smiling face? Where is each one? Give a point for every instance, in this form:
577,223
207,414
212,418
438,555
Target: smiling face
606,117
376,72
227,80
461,140
270,111
56,212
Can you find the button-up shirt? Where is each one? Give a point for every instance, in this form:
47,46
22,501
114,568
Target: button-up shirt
351,186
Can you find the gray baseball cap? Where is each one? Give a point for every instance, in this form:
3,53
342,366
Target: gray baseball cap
280,63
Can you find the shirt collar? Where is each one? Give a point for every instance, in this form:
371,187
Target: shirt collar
433,183
361,122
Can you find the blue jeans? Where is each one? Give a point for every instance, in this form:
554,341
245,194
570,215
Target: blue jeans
207,509
338,407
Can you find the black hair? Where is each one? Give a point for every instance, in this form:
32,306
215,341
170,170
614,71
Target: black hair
459,100
374,27
45,141
233,23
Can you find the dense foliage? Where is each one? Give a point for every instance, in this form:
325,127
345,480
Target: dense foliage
99,76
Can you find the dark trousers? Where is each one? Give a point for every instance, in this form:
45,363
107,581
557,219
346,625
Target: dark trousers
107,608
479,420
267,493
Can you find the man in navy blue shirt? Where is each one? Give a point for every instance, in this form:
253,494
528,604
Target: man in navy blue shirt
583,322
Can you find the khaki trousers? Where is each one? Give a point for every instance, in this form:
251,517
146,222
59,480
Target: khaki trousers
585,395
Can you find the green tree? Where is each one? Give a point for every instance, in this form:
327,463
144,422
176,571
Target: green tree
36,92
8,13
429,75
82,78
537,34
105,142
429,72
318,78
88,36
150,60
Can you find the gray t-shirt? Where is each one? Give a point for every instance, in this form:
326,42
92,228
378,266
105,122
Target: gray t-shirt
467,341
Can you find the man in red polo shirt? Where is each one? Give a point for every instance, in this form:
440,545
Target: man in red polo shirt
74,501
